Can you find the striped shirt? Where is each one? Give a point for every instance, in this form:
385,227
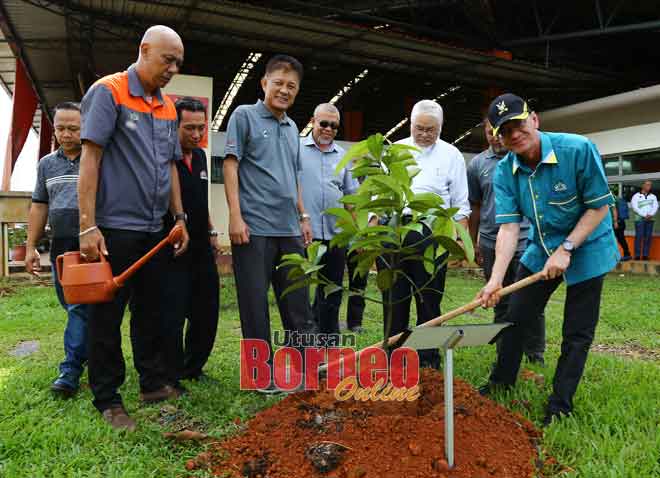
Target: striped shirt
57,186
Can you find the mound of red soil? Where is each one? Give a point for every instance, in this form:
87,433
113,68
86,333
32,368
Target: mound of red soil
311,435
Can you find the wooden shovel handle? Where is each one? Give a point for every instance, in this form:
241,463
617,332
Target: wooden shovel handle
466,308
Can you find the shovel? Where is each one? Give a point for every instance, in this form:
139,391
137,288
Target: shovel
438,321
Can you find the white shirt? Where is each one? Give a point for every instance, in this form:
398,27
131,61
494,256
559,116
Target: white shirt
443,172
644,205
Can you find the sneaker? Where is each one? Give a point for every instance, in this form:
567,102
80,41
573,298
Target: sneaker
491,388
118,418
64,386
164,393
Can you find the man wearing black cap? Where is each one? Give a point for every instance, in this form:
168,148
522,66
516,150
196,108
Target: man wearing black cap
557,182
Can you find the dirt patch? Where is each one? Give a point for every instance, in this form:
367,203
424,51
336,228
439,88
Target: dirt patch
628,350
310,435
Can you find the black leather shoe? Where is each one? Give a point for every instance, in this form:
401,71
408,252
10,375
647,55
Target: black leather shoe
551,417
490,388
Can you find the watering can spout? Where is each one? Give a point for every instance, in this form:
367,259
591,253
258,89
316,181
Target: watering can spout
173,237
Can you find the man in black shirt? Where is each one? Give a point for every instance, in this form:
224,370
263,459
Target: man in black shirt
195,283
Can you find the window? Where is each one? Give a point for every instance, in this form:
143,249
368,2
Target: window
611,165
641,163
216,170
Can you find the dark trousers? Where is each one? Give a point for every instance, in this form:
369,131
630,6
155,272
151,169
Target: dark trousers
619,232
145,289
427,302
255,268
581,313
326,307
194,294
534,342
75,333
356,303
643,238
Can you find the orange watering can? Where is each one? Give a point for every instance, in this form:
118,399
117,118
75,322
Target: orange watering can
92,282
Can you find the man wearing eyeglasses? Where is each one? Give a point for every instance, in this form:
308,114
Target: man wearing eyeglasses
557,182
322,189
443,173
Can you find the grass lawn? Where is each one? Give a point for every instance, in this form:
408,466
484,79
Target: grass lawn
614,432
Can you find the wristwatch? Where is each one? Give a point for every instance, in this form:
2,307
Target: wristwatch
568,246
213,233
304,217
182,216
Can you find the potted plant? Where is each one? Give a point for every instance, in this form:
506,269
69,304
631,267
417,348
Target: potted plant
17,237
389,170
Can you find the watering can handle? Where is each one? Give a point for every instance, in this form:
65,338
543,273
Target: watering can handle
59,263
173,237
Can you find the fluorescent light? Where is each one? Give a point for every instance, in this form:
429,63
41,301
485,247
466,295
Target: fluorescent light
235,86
344,89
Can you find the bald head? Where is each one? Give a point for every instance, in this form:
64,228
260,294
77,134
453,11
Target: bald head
160,57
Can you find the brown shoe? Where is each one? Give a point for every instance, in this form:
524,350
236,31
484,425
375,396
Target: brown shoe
164,393
119,419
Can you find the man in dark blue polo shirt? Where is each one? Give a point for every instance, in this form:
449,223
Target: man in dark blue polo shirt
266,215
128,180
557,182
195,286
55,199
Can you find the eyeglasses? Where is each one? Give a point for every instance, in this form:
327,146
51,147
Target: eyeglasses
422,130
329,124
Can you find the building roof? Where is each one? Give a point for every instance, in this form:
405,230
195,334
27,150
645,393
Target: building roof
412,50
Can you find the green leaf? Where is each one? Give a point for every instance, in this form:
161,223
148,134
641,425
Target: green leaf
355,199
296,285
400,174
399,148
365,261
315,251
375,145
388,182
385,279
341,213
448,244
366,171
342,239
294,273
429,256
381,204
309,269
357,151
413,171
330,289
468,247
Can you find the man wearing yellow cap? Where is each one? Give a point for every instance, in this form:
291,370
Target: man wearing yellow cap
557,182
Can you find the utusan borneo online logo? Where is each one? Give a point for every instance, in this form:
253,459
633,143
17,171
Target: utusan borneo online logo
368,374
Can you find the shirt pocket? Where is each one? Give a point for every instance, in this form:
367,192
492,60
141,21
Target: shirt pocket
165,137
258,146
564,210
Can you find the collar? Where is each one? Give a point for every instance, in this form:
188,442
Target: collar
60,154
135,87
547,153
309,141
266,113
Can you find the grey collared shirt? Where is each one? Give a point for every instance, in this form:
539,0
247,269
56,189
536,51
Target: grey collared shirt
268,154
321,187
57,186
480,173
139,139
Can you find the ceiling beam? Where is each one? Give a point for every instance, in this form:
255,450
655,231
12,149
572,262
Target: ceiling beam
633,27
